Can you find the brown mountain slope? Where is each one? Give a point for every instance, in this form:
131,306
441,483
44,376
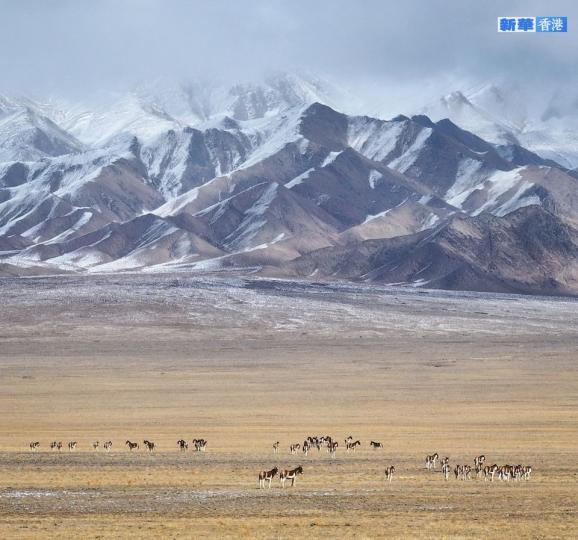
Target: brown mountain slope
528,251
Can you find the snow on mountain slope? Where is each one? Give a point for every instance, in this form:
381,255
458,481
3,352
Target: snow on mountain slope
182,159
499,115
496,193
28,136
74,193
135,177
269,135
279,93
555,139
251,100
528,251
410,154
177,161
374,138
254,175
126,115
460,110
269,216
156,107
408,217
468,173
253,221
501,103
142,242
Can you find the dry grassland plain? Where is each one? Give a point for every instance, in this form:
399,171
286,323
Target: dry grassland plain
244,362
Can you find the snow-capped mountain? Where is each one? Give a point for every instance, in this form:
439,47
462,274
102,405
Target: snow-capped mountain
269,177
499,115
26,134
155,107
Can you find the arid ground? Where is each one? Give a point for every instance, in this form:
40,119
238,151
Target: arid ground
245,362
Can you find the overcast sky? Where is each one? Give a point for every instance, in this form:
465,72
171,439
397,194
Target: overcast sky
74,47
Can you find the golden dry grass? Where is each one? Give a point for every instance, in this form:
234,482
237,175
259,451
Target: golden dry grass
510,395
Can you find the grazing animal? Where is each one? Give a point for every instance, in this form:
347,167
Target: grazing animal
59,446
200,445
375,444
315,442
352,445
522,472
506,472
319,442
463,472
183,445
150,445
306,447
294,447
527,471
445,461
389,472
479,462
348,440
34,446
457,471
107,445
430,461
332,448
131,445
276,447
53,445
95,445
71,446
267,476
446,470
490,471
290,474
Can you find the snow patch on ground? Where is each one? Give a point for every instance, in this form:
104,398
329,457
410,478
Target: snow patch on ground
371,217
270,135
275,240
176,205
373,138
500,183
407,159
253,220
331,157
374,176
81,222
83,257
468,178
385,212
299,179
518,201
430,222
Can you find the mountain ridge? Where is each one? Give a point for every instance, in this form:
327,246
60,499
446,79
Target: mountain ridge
279,186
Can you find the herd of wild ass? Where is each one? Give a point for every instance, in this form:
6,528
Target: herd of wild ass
462,472
199,445
326,442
